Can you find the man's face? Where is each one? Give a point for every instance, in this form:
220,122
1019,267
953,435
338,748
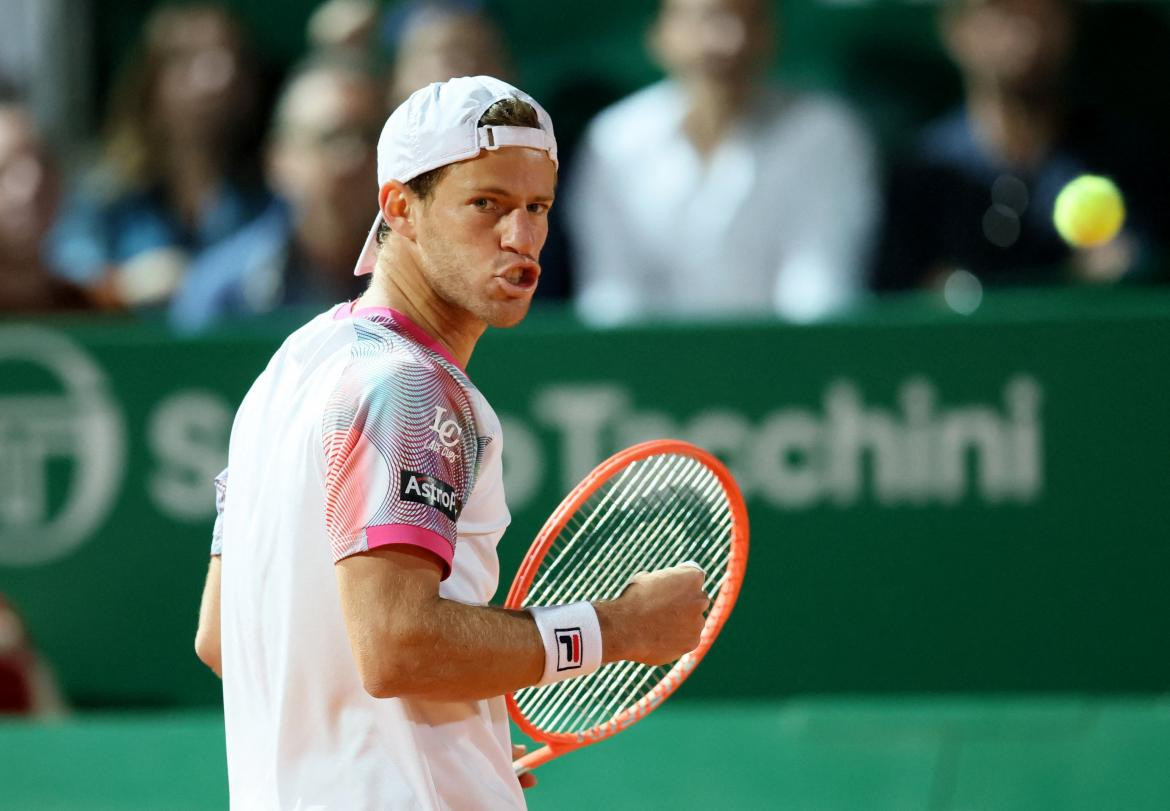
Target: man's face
28,186
1021,44
326,146
717,40
201,85
480,233
441,45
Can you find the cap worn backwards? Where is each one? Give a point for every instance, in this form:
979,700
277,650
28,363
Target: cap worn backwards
439,124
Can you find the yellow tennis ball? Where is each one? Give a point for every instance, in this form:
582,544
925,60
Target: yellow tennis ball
1089,211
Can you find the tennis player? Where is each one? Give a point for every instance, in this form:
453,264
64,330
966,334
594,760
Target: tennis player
354,553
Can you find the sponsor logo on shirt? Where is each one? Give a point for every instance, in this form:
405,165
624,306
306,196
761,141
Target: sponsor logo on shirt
423,489
569,653
448,430
447,434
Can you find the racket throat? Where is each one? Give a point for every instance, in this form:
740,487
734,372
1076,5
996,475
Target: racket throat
538,758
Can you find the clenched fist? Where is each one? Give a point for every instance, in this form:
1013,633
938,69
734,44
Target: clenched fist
657,618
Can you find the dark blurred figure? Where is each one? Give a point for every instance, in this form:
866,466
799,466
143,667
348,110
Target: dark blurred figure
715,192
29,196
302,250
176,171
27,684
977,194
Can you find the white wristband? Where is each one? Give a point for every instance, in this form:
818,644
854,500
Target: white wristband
572,640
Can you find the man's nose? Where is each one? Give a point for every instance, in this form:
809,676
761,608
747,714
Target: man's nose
521,232
725,35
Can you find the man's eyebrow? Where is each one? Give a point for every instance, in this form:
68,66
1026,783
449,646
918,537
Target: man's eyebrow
498,192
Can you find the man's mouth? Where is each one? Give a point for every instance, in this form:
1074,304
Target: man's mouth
521,277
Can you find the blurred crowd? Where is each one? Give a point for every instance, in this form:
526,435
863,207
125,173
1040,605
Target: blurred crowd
715,191
28,685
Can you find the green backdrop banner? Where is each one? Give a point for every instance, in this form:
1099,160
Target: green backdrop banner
937,503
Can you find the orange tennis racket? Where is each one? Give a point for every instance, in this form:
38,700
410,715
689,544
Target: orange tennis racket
648,507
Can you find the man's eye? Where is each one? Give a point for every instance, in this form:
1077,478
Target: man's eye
482,203
537,208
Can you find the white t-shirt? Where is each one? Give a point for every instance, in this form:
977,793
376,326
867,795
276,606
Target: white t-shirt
775,220
362,431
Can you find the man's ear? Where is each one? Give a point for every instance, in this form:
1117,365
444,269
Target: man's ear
399,206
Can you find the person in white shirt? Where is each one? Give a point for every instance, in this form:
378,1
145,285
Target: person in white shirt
355,549
715,193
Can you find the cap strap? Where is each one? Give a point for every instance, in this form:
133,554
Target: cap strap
492,137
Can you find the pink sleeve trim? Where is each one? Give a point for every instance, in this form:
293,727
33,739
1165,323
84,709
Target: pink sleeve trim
389,534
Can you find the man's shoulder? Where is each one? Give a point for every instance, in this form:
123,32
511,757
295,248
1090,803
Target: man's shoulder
383,365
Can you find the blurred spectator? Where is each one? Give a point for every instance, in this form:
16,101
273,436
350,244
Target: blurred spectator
437,40
303,248
976,196
174,178
27,684
343,24
45,53
29,195
714,192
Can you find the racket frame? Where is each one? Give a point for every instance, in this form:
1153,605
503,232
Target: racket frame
557,743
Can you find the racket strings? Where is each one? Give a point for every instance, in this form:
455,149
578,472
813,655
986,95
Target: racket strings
614,517
655,513
614,688
632,529
595,509
634,554
602,698
575,558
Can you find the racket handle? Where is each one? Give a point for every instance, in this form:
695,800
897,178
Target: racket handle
538,758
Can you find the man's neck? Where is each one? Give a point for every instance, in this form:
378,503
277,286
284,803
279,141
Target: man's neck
713,109
405,292
1016,128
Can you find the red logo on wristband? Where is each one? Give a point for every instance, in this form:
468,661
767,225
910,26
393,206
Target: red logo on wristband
569,656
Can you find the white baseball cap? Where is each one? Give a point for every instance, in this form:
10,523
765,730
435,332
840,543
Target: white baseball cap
438,125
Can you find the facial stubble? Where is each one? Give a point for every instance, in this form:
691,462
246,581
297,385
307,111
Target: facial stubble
462,288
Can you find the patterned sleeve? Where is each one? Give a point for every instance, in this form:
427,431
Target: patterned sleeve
217,530
400,452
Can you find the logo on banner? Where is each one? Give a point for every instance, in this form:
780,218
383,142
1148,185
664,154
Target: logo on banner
62,446
569,654
423,489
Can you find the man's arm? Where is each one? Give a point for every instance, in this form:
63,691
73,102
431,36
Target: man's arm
409,641
207,635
